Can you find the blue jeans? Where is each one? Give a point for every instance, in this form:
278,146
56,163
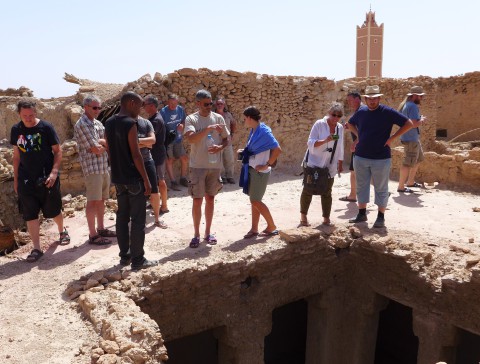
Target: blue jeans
377,171
131,208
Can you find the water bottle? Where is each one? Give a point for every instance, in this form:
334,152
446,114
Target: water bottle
212,157
178,137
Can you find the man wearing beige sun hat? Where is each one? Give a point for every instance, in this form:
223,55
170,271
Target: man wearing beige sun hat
411,140
373,125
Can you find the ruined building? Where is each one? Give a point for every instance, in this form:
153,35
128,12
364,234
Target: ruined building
326,295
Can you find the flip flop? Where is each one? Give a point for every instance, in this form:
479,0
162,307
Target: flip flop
415,185
406,190
265,233
164,212
195,242
160,224
304,223
346,199
250,234
211,239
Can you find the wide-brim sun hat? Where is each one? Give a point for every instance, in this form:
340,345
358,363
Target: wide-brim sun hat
416,90
372,91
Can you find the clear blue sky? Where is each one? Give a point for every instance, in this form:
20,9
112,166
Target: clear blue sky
119,41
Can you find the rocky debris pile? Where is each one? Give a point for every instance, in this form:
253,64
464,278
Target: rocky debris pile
127,335
21,91
79,202
6,167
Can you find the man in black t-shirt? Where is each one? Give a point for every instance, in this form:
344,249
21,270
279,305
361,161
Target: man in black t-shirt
130,179
159,152
36,161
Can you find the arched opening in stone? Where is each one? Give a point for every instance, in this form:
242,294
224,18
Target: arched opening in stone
193,349
396,342
286,342
468,348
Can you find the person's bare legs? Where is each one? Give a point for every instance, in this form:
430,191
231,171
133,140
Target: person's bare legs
155,202
197,214
33,227
184,165
90,212
255,218
411,175
162,188
265,212
353,186
209,209
169,167
100,211
404,172
59,221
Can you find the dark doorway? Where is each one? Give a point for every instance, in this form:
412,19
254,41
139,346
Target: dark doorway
287,342
468,348
396,343
193,349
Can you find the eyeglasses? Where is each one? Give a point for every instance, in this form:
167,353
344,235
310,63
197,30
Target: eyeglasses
337,115
95,107
207,104
220,103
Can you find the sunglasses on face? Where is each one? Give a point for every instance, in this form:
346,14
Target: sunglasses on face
337,115
207,104
95,107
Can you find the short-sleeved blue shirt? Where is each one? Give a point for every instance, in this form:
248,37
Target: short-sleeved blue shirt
411,111
374,128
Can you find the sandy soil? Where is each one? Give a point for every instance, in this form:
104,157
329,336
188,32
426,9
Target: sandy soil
39,325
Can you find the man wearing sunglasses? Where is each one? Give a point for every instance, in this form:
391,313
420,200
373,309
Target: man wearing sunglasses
373,125
200,127
92,153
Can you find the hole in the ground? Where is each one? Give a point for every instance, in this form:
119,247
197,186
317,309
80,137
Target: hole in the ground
287,341
396,342
188,349
468,348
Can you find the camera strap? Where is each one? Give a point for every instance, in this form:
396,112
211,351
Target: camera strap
334,145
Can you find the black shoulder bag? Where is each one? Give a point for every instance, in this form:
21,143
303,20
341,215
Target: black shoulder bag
315,179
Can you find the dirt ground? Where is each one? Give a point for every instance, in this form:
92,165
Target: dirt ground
38,324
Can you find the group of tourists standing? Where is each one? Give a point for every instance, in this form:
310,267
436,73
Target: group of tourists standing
135,154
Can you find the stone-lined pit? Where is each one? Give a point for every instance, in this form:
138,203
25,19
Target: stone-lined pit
362,298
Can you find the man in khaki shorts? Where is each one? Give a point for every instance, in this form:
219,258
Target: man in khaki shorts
205,162
411,140
90,136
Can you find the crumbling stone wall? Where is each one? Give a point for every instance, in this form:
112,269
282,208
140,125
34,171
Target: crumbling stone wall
289,105
458,100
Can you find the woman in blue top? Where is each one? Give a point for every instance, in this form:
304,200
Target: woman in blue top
260,153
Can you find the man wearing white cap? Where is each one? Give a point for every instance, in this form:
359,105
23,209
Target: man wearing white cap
411,140
373,126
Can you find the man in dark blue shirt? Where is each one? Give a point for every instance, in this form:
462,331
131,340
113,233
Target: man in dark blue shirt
373,125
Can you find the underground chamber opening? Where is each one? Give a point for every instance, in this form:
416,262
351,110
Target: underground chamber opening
468,348
193,349
286,342
396,342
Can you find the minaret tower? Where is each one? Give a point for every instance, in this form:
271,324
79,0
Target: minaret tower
369,48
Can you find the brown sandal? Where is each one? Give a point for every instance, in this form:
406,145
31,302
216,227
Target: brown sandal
304,223
98,240
106,233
